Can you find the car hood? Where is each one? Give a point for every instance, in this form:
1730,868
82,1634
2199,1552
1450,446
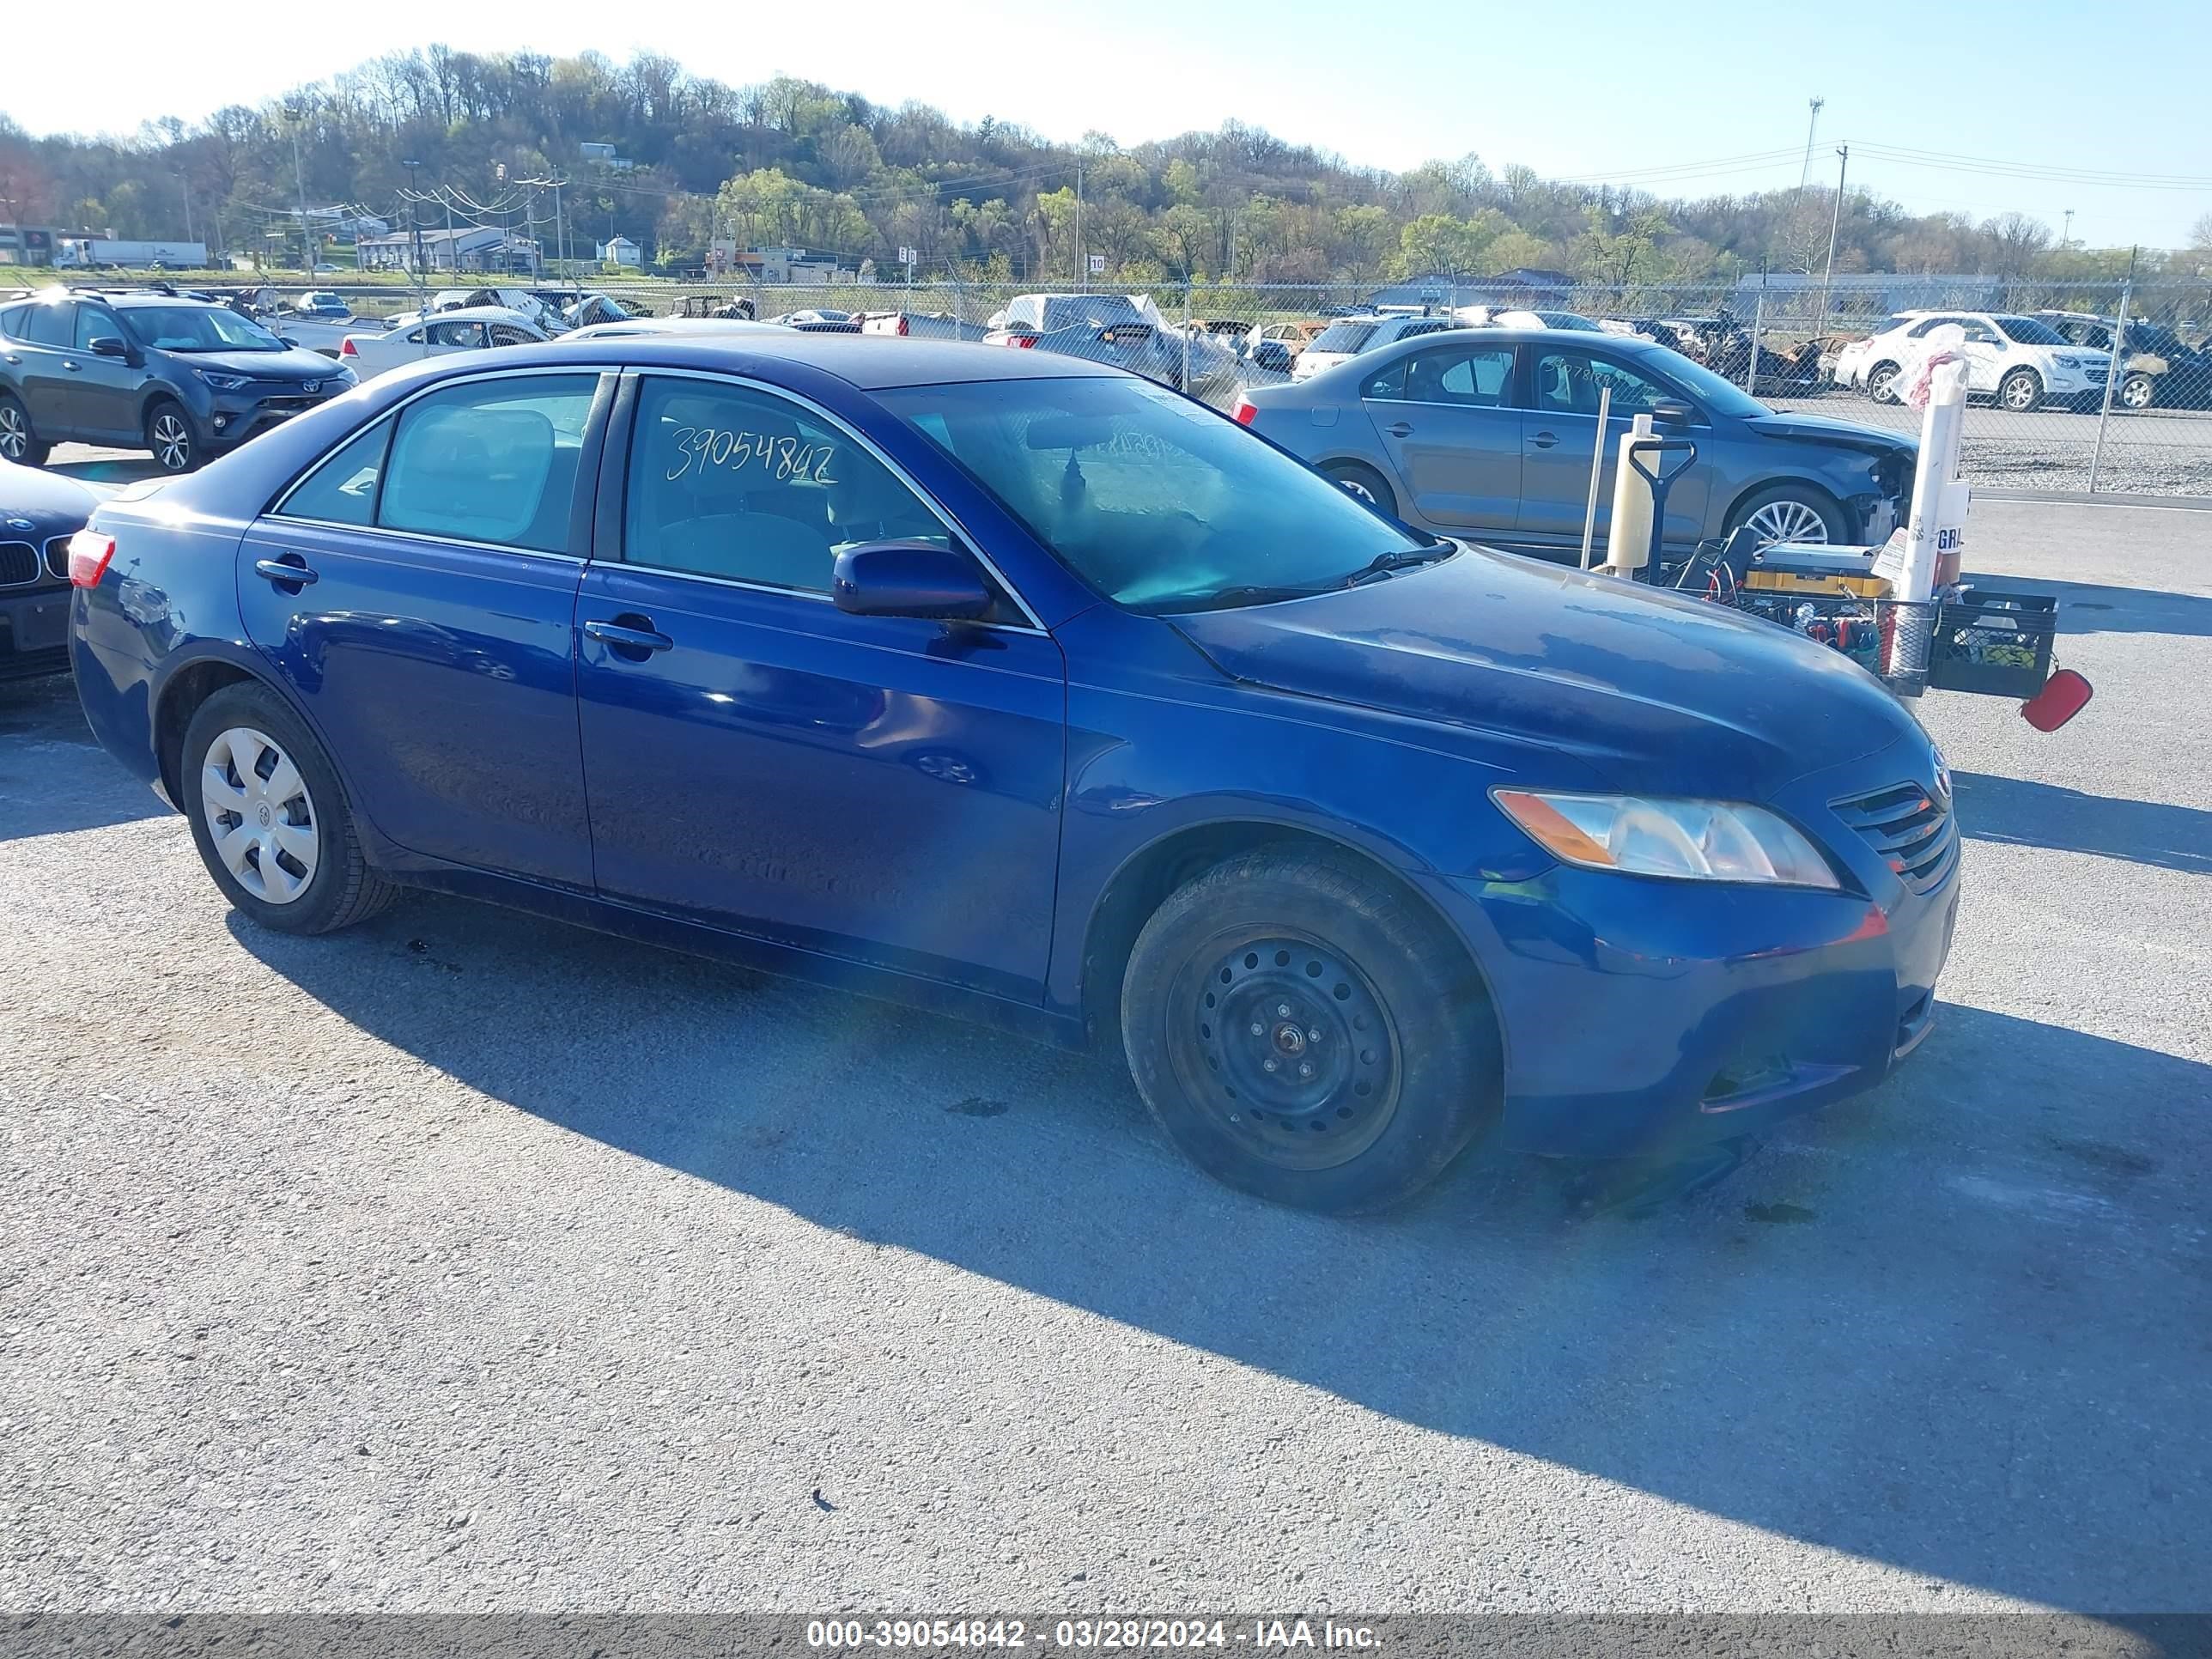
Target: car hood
1651,691
1822,428
51,503
296,363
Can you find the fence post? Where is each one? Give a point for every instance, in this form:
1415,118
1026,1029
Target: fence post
1758,321
1186,337
2111,374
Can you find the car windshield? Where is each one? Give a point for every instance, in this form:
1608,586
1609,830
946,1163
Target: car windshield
1344,337
196,328
1089,311
2026,330
1156,502
1725,397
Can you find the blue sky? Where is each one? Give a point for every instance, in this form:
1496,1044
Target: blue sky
1600,90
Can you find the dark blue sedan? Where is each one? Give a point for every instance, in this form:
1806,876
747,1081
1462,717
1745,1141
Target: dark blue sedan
1021,687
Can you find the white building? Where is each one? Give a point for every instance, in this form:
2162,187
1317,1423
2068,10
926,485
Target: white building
620,251
465,247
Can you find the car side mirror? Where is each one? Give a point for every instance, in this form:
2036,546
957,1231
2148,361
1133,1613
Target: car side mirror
107,345
909,579
1669,412
286,339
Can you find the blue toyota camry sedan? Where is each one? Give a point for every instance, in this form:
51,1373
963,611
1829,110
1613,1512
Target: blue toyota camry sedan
1024,688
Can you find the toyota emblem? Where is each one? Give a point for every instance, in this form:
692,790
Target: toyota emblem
311,385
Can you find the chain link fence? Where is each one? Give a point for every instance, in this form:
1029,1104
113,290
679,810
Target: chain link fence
2055,408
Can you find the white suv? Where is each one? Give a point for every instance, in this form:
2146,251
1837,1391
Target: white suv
1348,336
2020,362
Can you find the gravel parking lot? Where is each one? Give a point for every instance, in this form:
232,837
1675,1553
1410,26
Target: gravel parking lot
468,1262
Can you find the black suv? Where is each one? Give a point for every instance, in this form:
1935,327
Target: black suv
146,368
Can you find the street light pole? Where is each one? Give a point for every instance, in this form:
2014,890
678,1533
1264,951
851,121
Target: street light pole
1835,222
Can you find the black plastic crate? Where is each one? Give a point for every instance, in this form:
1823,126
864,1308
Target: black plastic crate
1993,641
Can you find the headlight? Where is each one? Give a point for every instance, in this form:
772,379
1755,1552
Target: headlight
222,382
1690,840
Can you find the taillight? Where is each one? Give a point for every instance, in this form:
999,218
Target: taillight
1022,340
1245,410
346,348
901,327
88,554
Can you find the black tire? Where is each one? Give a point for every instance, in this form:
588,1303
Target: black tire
1878,383
1404,1073
1776,502
341,890
19,442
2021,391
1363,482
2136,393
170,439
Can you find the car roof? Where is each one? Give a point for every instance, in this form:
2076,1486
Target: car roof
468,314
872,362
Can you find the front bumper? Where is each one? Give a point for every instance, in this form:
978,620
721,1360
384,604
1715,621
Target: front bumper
1643,1016
33,632
234,416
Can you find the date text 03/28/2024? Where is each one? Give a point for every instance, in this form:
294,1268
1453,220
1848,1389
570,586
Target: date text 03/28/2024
1103,1634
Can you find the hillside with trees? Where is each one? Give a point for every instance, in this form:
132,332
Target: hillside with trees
789,161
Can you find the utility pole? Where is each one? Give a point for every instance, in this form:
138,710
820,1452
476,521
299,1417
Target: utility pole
185,185
299,113
1805,173
1082,269
1835,221
2066,236
414,219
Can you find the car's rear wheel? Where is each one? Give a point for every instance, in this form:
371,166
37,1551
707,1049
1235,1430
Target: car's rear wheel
1791,512
270,819
169,437
2021,391
2137,392
1881,383
1363,482
18,443
1303,1030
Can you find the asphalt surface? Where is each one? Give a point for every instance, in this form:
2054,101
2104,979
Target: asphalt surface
465,1260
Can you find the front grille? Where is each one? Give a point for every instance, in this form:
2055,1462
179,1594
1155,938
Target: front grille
19,564
291,405
58,558
1918,836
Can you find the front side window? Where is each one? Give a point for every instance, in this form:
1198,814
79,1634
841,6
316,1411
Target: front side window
491,461
736,482
94,322
1569,383
1156,501
343,489
1476,378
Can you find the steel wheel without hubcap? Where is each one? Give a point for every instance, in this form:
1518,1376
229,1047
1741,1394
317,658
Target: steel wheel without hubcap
259,814
1289,1048
14,433
1788,521
171,440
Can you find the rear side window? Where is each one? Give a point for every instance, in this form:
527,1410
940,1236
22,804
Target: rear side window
490,461
49,326
1344,337
343,489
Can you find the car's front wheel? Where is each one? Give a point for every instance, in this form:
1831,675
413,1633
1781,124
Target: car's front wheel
1881,383
2136,392
270,819
1303,1030
1791,512
18,443
1365,482
169,437
2021,391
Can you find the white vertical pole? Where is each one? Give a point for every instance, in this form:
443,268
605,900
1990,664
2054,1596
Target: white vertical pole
2112,376
1758,321
1926,532
1597,471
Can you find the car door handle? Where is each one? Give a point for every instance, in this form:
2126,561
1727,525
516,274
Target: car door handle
628,635
68,365
1544,440
1399,429
290,568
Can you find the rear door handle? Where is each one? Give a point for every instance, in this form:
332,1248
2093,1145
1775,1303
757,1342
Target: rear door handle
291,570
630,636
1399,429
1545,440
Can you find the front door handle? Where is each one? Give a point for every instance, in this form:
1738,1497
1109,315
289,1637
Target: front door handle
290,571
68,365
1545,440
1399,429
629,635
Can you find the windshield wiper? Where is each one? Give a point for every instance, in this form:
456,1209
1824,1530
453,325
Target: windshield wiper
1246,593
1384,565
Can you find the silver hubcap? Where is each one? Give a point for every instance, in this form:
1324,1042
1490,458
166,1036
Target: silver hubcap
2019,394
14,436
1788,521
1353,487
172,443
2135,393
1879,388
260,815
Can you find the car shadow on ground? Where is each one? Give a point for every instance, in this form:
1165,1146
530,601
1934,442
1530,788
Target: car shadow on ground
53,775
2021,812
1960,1325
2095,608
